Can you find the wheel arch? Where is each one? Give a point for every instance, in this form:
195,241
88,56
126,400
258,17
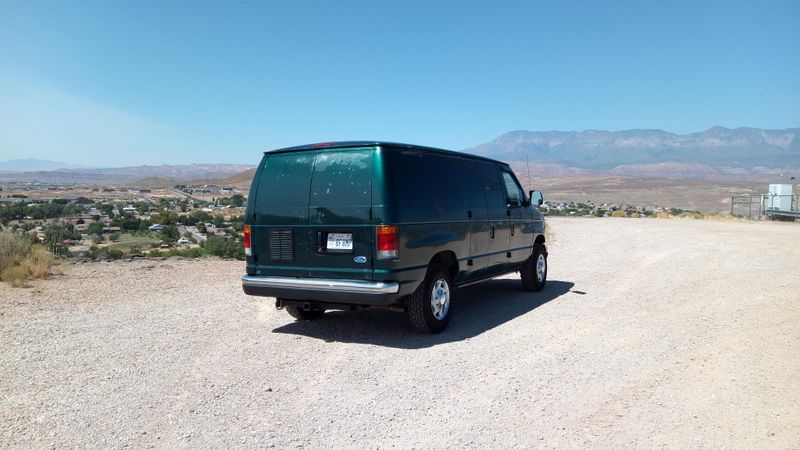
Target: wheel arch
446,258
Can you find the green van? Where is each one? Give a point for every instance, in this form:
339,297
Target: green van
344,225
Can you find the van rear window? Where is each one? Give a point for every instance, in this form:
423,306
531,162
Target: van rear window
285,179
342,177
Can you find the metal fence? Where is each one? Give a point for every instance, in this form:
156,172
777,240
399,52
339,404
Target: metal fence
766,205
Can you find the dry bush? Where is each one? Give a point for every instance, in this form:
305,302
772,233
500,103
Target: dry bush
39,261
662,215
14,276
13,249
618,214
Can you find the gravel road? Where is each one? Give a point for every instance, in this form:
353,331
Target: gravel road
650,333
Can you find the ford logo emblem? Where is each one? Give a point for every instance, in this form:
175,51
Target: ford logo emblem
360,259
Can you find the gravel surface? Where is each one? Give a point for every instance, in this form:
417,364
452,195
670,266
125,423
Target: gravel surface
650,333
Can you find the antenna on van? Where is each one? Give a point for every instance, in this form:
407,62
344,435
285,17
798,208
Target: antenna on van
527,163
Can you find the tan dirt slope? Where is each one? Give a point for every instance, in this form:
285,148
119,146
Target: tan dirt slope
650,333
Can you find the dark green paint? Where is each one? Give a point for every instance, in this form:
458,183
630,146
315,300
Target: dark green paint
354,187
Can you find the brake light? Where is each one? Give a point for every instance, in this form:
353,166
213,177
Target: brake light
386,241
246,237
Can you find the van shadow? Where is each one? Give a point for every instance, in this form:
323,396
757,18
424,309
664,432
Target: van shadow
476,310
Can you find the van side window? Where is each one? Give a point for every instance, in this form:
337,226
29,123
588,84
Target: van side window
430,180
515,194
493,189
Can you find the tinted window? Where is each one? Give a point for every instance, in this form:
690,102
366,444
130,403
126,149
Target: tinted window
515,195
423,179
285,179
342,177
493,189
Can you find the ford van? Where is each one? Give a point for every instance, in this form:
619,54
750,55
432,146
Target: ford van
356,224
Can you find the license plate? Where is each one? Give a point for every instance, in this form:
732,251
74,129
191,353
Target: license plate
340,241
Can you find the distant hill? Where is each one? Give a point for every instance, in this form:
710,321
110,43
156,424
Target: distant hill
30,165
128,175
241,180
717,153
155,182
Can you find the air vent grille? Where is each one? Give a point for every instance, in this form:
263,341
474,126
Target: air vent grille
281,245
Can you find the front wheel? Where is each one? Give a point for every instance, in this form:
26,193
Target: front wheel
429,306
534,271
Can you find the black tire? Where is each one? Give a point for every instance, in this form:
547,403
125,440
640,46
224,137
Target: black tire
531,277
422,313
301,314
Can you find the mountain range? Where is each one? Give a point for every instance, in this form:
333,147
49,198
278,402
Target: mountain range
717,153
31,164
129,175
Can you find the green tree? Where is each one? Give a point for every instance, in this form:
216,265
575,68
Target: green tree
165,217
170,233
54,237
95,228
197,217
129,223
224,247
106,209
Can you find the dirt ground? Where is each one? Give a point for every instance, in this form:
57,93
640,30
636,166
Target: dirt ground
650,333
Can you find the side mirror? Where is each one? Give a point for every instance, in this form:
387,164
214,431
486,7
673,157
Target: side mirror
536,198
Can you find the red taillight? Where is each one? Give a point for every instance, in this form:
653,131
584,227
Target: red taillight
246,237
386,241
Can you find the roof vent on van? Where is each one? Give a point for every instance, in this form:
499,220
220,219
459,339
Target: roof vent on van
280,245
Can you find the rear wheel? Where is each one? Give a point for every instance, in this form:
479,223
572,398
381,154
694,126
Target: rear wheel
430,305
534,271
302,314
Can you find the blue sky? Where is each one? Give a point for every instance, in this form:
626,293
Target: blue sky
110,83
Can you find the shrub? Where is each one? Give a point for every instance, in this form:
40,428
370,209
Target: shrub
14,276
38,263
618,214
193,253
13,249
115,254
170,233
224,248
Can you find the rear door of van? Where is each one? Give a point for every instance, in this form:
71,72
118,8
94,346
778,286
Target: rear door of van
340,232
280,214
311,214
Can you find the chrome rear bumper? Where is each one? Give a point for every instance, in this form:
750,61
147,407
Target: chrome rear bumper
310,287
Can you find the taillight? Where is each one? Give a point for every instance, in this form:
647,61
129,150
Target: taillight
387,241
246,237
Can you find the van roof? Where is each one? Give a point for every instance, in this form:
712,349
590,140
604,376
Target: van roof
348,144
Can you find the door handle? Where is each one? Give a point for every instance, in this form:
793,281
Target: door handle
512,229
491,232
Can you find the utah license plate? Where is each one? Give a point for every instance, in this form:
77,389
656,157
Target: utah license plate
340,241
